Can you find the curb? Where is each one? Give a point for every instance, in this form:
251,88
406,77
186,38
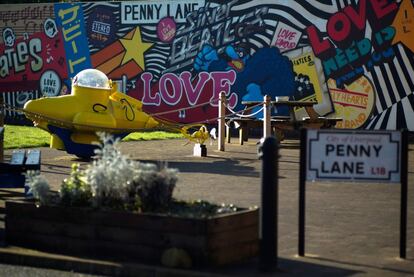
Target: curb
33,258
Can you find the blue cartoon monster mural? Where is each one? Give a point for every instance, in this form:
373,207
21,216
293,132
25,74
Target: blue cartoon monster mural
266,72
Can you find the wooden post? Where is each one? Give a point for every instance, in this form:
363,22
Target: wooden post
266,116
221,121
242,133
1,128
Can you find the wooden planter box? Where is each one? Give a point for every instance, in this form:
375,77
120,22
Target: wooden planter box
218,240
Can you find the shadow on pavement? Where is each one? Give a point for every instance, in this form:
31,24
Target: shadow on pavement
223,167
55,169
390,269
291,267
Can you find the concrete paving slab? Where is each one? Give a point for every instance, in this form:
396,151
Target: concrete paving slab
352,228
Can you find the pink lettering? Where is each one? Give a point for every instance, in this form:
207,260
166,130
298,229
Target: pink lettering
357,17
339,27
175,87
351,22
285,44
193,93
221,82
383,8
171,88
286,34
148,99
319,45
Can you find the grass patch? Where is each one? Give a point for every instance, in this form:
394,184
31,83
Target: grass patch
24,137
30,137
156,135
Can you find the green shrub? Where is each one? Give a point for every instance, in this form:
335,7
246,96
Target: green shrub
113,181
75,191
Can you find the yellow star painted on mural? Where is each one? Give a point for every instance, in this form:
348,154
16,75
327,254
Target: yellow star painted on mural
404,24
135,49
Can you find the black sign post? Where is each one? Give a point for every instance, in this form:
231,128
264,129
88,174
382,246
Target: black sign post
268,152
398,143
302,181
404,188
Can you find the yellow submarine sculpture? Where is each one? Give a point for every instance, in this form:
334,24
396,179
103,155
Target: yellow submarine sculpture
93,105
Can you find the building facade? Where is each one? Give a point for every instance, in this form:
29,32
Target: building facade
354,57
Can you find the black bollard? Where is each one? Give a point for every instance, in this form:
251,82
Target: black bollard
268,152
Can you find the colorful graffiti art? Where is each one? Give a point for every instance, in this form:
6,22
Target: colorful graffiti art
354,57
32,60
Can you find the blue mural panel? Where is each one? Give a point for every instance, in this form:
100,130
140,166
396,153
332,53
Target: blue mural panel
70,20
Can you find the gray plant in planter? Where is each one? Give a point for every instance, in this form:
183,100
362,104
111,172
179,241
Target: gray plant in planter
111,174
38,187
118,181
112,181
88,217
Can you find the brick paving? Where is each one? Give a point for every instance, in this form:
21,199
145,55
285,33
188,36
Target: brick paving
352,228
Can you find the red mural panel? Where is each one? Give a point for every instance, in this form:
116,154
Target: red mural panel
30,57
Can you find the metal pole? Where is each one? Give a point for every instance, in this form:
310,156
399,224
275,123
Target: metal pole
221,121
1,128
268,152
266,116
404,188
302,192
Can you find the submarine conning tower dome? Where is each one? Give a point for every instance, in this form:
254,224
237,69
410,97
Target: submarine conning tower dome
92,82
91,78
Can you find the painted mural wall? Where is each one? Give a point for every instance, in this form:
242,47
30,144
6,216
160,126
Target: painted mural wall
354,57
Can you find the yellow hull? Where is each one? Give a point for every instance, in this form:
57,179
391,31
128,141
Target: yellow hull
87,111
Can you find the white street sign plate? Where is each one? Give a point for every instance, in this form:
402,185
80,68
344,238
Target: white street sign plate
354,155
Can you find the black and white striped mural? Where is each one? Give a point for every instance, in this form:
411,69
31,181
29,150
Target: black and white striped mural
393,80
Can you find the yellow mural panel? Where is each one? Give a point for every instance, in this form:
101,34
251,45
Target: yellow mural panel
306,78
404,25
354,103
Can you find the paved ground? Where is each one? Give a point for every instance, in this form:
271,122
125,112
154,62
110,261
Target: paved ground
352,228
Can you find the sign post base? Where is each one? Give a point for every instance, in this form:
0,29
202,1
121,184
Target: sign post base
200,150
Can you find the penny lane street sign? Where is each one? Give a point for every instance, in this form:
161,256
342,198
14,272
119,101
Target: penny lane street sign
353,155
